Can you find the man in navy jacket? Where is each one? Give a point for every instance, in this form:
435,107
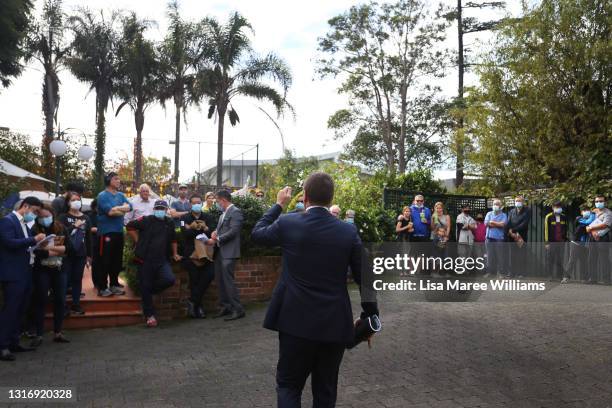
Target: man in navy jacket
16,273
310,306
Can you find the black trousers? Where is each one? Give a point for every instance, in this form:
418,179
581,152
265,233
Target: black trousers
297,359
110,260
200,278
555,255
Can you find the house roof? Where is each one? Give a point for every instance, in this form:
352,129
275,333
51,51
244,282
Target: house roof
11,170
239,162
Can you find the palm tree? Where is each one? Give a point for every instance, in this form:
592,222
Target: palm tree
232,69
46,45
181,52
93,61
137,78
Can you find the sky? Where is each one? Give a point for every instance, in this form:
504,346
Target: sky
289,28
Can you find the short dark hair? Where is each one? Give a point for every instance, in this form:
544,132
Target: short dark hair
224,194
75,186
109,177
195,196
319,188
600,196
585,207
557,204
31,201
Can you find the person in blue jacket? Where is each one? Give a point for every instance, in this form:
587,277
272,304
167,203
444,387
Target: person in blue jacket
16,273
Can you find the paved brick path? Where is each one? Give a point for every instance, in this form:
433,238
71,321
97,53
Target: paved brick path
553,352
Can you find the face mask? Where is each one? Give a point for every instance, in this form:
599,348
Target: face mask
46,221
557,210
299,206
350,220
599,205
29,217
75,205
518,204
196,208
586,214
160,214
496,208
419,205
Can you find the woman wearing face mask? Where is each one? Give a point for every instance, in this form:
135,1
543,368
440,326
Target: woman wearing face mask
48,274
78,229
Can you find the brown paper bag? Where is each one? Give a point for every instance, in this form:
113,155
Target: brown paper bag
202,251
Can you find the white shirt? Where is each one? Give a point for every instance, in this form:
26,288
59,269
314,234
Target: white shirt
140,208
466,236
223,215
24,228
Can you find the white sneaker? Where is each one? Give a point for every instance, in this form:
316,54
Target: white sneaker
565,280
116,290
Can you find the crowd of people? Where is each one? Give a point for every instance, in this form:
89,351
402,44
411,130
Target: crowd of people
501,236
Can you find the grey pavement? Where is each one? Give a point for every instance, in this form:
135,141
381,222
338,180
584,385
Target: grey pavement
555,351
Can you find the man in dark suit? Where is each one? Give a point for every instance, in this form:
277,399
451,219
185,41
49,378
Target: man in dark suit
16,273
310,306
226,238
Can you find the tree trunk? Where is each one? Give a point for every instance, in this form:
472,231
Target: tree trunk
177,139
221,111
48,106
402,138
139,119
459,133
100,143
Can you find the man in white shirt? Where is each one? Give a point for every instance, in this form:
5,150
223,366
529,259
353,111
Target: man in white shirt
142,204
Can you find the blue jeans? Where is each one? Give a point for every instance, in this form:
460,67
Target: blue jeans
496,255
73,267
154,278
46,278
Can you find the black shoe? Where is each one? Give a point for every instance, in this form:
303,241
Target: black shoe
119,285
59,338
191,309
235,316
222,313
36,342
77,310
20,349
6,355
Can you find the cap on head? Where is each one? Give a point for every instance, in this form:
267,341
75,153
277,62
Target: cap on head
160,204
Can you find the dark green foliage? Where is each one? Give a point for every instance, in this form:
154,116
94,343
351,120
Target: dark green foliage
14,24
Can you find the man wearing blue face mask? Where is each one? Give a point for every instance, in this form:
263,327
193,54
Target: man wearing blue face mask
16,273
599,247
201,271
517,231
299,205
156,246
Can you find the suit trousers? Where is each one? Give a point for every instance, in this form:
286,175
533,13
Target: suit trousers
16,299
153,278
224,277
297,359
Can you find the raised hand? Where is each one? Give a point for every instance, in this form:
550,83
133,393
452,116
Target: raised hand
284,197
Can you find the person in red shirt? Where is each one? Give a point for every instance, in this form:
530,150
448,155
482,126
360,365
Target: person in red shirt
480,235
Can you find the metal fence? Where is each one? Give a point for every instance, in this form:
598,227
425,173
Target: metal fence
396,199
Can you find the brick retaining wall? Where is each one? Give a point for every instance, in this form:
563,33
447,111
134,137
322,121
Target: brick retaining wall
255,278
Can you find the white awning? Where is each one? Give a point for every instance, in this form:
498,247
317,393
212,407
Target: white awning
11,170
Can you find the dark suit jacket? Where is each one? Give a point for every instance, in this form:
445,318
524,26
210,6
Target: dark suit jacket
311,299
228,232
15,259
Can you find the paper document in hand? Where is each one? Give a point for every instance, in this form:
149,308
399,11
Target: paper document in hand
48,238
202,237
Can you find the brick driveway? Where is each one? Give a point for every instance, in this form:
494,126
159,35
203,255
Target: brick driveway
555,351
